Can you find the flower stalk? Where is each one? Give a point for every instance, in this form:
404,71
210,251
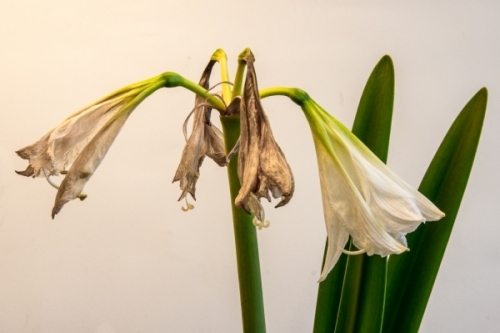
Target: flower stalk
245,237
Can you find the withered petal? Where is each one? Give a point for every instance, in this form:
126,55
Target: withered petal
205,140
58,148
262,166
29,172
87,162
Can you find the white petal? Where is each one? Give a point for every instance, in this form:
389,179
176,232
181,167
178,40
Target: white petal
427,209
337,234
367,230
405,204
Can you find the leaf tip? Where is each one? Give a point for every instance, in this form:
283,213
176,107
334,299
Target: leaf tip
386,60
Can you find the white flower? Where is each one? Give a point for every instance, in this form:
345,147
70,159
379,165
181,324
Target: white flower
82,140
362,197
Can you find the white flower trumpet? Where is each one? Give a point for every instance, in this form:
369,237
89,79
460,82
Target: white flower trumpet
361,196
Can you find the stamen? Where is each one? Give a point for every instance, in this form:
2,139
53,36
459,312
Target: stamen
81,196
218,84
184,126
188,206
48,179
233,151
354,253
259,224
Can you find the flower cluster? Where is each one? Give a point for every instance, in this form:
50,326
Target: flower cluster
262,167
362,197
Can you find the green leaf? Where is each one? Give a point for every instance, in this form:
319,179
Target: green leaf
411,275
339,295
329,292
372,124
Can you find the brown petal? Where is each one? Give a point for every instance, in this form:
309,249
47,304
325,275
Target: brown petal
205,140
87,162
192,157
60,146
262,167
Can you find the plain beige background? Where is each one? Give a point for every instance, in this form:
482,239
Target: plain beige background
128,259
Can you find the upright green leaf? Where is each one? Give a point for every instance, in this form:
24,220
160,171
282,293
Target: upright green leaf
411,275
362,302
372,126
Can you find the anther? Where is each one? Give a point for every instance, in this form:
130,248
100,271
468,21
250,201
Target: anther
188,206
259,224
81,196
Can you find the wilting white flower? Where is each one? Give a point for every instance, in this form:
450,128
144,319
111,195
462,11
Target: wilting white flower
362,197
82,140
262,167
205,140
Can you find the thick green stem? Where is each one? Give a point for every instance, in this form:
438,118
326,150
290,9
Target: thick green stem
247,252
221,57
238,78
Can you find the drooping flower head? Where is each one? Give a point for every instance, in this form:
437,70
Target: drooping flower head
77,146
362,197
205,140
262,167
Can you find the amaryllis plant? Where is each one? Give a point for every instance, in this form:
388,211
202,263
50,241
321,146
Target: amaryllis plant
369,281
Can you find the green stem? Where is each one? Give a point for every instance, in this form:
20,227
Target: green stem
172,80
297,95
247,253
221,57
329,294
238,78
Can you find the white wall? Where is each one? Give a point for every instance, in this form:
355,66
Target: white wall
127,259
